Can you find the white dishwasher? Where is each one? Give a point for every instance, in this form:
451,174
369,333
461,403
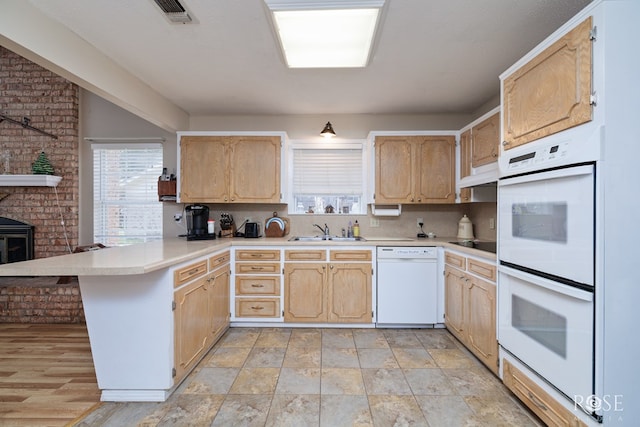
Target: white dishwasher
407,286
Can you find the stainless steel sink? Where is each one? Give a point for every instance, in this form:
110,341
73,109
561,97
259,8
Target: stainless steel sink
307,239
322,238
348,239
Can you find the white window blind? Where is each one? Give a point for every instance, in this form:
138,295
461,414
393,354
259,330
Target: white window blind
125,193
327,172
327,179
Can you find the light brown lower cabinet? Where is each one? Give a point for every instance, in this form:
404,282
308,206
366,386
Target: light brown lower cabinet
335,292
257,284
538,400
201,316
470,311
219,300
305,292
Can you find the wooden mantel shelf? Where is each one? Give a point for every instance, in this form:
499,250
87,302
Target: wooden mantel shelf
29,180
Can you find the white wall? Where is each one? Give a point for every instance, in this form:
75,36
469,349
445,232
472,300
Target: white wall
100,118
351,126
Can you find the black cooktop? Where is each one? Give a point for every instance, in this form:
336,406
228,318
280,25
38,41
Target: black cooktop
483,246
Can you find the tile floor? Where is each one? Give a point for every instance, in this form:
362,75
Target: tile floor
330,377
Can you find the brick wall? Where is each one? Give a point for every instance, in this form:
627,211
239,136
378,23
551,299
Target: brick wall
51,102
40,300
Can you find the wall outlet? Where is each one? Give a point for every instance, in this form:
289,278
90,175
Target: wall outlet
374,222
492,223
419,221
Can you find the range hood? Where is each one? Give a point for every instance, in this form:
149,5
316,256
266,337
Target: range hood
487,174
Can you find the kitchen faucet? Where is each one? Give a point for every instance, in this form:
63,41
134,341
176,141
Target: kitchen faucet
324,230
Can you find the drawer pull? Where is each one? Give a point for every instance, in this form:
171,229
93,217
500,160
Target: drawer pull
257,308
255,285
537,402
192,271
256,255
256,268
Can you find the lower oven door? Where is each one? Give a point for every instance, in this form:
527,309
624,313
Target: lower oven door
548,326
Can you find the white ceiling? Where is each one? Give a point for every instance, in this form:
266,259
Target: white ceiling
432,56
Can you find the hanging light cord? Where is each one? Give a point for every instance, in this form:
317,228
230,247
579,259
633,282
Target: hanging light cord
64,227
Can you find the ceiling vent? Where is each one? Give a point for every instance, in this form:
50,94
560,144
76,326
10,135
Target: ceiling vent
174,11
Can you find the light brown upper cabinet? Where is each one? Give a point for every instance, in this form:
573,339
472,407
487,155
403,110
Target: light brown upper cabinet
415,169
465,153
230,169
485,141
550,93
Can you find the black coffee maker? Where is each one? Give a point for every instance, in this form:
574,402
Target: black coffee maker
197,217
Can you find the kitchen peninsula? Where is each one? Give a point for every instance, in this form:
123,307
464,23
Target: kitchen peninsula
129,295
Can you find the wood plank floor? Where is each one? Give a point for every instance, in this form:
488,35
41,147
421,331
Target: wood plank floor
47,376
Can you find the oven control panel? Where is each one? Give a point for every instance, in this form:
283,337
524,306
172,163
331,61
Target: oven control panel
540,158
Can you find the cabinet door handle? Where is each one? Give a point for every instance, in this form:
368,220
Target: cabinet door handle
331,267
537,401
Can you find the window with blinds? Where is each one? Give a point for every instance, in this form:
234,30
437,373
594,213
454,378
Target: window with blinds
327,180
126,209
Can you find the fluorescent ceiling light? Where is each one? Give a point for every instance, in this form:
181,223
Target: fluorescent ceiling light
325,34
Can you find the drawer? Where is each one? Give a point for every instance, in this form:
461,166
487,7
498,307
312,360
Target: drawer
257,285
219,259
305,255
483,269
190,272
258,268
257,307
350,255
257,255
536,399
455,260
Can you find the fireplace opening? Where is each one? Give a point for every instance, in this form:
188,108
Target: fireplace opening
16,241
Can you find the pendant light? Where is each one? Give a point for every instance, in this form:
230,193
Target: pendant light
328,131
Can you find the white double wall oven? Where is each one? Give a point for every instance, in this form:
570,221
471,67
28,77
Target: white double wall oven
546,250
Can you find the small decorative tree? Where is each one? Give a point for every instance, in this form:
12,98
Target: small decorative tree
42,166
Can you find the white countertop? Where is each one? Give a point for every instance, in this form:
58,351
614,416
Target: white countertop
147,257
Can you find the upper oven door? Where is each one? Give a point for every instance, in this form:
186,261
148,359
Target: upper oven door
547,222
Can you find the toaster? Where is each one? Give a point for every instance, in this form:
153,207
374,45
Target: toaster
252,230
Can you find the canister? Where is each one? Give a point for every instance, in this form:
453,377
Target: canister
465,228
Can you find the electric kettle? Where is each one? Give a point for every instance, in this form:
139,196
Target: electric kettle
465,229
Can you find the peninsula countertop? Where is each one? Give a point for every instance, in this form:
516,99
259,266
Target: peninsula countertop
143,258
